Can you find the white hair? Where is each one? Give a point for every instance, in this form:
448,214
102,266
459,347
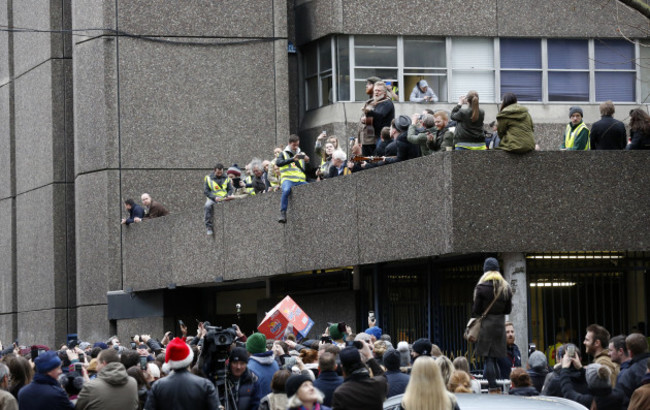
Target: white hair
338,154
294,401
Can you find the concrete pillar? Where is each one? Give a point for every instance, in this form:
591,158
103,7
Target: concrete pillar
514,269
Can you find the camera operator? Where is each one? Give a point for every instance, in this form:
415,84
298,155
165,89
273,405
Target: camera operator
244,385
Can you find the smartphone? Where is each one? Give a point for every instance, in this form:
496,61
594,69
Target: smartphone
326,339
78,367
571,351
34,352
143,362
133,345
371,315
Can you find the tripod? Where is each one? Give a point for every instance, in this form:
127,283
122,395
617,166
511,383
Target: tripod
229,399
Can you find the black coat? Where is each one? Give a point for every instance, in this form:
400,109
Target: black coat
382,116
327,382
524,391
537,376
606,399
630,379
492,336
397,382
182,390
43,392
553,386
639,140
360,391
136,211
608,133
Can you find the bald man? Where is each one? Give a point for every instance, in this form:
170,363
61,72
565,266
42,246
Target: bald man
153,209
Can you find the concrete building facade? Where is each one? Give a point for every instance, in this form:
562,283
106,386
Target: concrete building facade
102,100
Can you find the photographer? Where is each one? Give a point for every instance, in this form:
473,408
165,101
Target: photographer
359,390
244,385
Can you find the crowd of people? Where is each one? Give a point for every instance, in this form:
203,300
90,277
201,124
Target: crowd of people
338,370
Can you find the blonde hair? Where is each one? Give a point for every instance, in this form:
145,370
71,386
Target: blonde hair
460,382
501,287
472,100
426,390
446,368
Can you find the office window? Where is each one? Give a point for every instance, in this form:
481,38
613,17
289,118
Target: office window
343,67
568,65
373,56
521,68
472,68
425,59
615,70
318,73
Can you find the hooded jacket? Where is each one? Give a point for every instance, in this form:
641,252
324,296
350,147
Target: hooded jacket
113,388
43,392
264,366
605,398
515,129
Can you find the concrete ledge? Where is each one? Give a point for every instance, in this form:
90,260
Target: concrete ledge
448,203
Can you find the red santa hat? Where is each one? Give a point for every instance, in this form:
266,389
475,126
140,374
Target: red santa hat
178,355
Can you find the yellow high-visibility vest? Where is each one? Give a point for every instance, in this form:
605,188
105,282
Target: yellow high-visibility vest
291,172
570,136
249,181
220,191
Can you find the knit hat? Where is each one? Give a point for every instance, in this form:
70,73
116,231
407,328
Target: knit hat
404,353
373,79
178,355
491,264
84,345
392,360
256,343
294,382
374,331
422,347
402,123
234,170
47,361
103,345
575,109
239,354
537,360
349,357
597,376
335,332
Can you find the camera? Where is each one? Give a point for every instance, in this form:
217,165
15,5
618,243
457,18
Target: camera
216,348
78,367
143,362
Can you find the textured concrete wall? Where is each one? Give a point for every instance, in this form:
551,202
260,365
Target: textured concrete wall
491,18
448,203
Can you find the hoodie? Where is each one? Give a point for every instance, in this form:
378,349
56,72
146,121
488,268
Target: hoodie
264,366
113,388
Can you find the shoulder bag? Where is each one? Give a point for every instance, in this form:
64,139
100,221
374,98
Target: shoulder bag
474,325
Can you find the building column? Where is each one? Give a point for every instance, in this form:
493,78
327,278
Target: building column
514,269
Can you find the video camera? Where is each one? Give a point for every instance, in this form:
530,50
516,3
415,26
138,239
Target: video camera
216,348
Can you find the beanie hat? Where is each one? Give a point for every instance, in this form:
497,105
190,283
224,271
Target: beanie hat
256,343
47,361
373,79
392,360
103,345
597,376
402,123
422,347
537,360
374,331
423,83
404,352
575,109
335,332
178,355
238,354
234,170
84,345
491,264
350,357
294,382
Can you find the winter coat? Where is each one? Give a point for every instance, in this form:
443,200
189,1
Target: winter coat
156,210
553,386
512,359
44,392
136,211
397,382
524,391
249,392
382,115
274,401
630,379
111,389
603,359
7,401
327,382
219,180
360,391
641,397
405,150
639,140
605,399
466,129
264,367
182,390
421,139
492,336
537,376
608,133
515,129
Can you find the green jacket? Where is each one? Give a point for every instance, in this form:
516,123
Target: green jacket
515,128
581,140
426,147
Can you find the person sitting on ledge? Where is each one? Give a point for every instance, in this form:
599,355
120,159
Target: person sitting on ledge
216,187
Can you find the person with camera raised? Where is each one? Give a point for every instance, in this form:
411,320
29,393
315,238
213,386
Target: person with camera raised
359,390
292,171
244,385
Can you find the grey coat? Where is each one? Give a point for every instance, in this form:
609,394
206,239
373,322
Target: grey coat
492,337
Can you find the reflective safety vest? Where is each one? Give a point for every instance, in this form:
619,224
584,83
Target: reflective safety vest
219,191
292,172
249,181
570,137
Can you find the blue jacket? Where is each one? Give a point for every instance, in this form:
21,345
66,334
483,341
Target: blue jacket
513,359
397,382
43,392
136,211
248,394
264,367
327,382
631,378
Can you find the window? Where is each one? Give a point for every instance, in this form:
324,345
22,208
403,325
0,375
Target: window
317,61
568,65
472,67
521,68
615,70
425,59
374,56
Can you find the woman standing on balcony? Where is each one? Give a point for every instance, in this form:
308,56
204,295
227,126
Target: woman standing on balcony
469,123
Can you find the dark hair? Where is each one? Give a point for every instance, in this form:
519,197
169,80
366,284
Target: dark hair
130,202
327,362
520,378
294,138
109,356
385,133
218,166
637,344
619,343
95,352
279,380
21,372
492,124
428,111
137,373
334,349
283,345
472,100
600,333
639,121
508,99
129,358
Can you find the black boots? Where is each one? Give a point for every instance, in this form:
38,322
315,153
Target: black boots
283,217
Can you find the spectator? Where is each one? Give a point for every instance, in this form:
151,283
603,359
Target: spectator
238,184
397,381
248,386
339,332
446,367
340,166
596,340
377,113
277,399
405,150
359,390
7,400
630,380
521,383
21,374
136,213
385,139
618,353
44,392
576,134
425,139
303,395
378,350
444,135
426,389
113,388
261,362
326,161
273,172
258,179
143,385
639,130
152,209
491,343
292,170
459,382
423,93
514,126
598,384
641,397
181,389
553,383
421,347
608,133
537,369
513,354
492,138
72,382
216,187
328,380
404,354
461,363
469,123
